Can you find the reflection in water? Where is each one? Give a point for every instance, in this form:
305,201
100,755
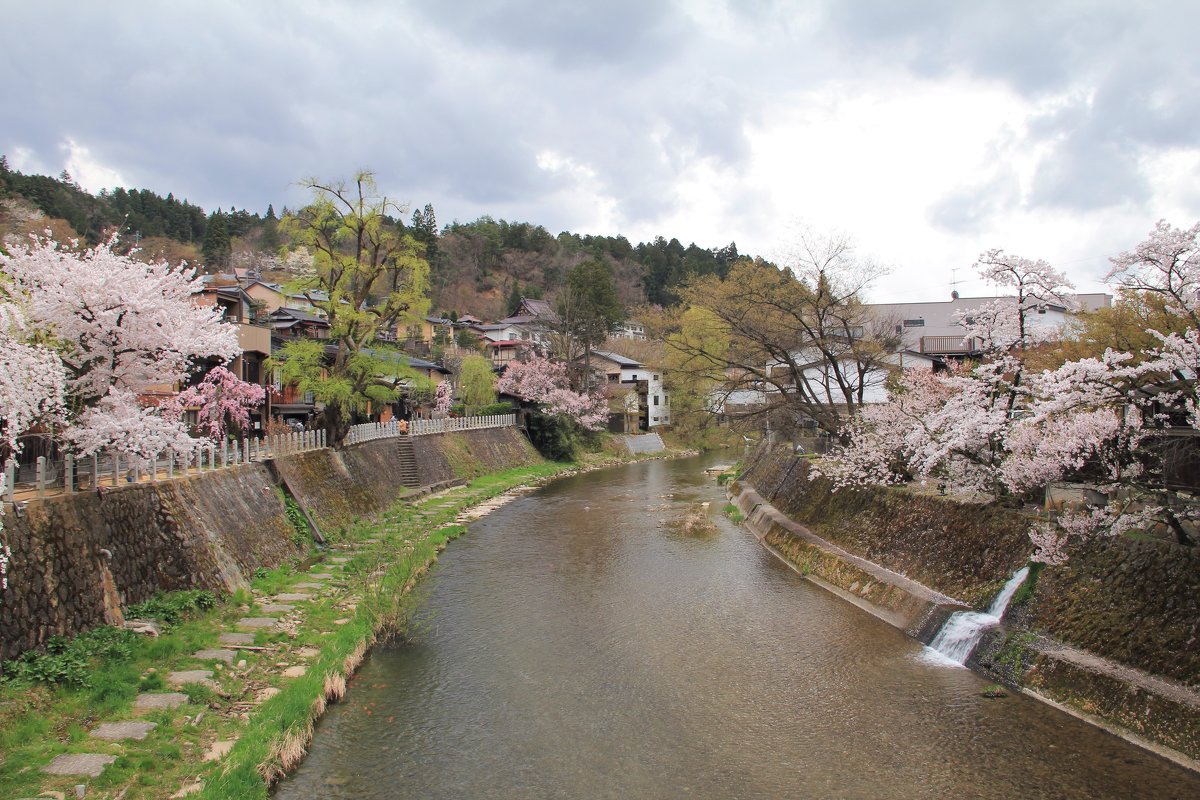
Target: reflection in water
574,645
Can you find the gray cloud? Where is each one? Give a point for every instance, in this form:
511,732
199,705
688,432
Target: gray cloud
232,103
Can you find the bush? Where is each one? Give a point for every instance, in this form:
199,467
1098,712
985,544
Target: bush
494,409
170,608
71,662
554,437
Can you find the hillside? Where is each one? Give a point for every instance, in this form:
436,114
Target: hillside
476,267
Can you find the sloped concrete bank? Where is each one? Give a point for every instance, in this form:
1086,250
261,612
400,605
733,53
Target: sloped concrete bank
1110,638
78,559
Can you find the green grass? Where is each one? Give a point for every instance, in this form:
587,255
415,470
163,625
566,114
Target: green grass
733,513
49,701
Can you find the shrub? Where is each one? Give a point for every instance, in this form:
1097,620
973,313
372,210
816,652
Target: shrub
170,608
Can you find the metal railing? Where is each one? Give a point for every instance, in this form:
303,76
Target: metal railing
424,427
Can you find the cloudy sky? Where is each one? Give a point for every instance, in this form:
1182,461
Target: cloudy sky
930,130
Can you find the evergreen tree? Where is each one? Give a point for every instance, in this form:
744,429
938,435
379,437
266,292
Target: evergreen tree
217,249
514,298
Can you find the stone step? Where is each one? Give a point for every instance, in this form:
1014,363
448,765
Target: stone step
161,700
236,638
293,597
123,730
216,655
275,608
256,623
185,676
89,764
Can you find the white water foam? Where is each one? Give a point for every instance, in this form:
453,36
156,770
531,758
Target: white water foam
958,637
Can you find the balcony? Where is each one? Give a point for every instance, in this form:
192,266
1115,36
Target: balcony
254,338
949,345
291,395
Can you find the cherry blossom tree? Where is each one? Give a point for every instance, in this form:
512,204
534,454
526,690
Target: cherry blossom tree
116,321
32,378
441,399
539,380
86,330
1103,420
224,402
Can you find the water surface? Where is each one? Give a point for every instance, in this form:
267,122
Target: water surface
575,645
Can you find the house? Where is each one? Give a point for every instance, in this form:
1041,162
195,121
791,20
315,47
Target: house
271,297
639,388
630,329
253,333
503,352
931,329
294,322
534,320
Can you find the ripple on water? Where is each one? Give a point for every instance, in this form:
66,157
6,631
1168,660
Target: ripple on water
571,653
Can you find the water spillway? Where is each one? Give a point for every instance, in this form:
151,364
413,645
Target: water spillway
962,631
579,643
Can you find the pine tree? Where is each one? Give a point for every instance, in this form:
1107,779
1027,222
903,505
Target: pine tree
217,248
514,298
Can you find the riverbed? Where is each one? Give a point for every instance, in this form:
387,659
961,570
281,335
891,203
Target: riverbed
584,641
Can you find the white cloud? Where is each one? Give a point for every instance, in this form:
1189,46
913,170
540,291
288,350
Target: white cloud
87,171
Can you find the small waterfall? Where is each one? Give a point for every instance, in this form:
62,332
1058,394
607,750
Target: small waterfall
964,629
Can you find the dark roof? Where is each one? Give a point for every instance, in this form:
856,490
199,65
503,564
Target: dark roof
537,308
298,315
619,360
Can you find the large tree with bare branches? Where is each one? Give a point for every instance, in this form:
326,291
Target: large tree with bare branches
797,336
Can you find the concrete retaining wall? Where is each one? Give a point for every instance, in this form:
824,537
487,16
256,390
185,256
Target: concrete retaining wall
1113,636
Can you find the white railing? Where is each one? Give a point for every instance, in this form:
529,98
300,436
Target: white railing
424,427
70,474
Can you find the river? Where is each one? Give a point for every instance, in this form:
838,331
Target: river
578,644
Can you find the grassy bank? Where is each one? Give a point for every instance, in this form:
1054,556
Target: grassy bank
252,717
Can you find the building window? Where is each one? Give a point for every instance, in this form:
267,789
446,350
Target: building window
655,399
914,323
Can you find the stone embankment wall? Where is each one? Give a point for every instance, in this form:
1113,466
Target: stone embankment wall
78,559
1114,634
336,486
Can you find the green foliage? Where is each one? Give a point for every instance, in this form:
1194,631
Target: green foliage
198,693
71,662
733,513
173,607
556,438
476,383
218,247
1025,593
493,409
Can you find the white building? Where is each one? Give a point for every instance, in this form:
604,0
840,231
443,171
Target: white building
646,397
929,328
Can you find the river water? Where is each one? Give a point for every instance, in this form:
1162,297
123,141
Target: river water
578,644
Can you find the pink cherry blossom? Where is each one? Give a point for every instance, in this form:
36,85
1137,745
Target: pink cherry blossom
545,382
224,401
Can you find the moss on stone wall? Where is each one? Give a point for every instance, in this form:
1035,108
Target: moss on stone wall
202,532
207,531
964,550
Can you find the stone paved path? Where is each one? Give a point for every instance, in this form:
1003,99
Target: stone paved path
186,676
236,638
215,655
256,622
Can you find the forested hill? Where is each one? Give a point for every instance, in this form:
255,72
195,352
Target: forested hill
477,267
